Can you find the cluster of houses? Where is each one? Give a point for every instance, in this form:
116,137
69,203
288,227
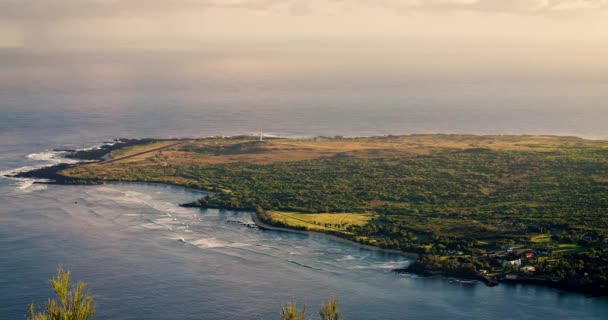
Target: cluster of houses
517,263
509,253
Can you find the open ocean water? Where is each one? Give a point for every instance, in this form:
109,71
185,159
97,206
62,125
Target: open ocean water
144,257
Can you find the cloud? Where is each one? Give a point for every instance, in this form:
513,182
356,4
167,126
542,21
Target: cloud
512,6
580,5
78,9
195,23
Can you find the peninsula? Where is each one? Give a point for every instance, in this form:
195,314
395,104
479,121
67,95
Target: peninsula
528,209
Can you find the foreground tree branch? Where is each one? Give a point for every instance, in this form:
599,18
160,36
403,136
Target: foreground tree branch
71,303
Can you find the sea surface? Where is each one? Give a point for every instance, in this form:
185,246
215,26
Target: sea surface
144,257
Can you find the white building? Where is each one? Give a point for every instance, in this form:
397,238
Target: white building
516,263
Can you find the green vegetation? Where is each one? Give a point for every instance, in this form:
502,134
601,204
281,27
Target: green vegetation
291,312
468,204
318,221
329,311
72,302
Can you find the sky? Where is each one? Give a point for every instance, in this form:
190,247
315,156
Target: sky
484,51
169,24
299,36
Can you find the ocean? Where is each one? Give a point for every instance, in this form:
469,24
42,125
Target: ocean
144,257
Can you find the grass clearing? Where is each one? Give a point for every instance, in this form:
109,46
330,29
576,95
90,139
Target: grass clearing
565,248
321,221
541,238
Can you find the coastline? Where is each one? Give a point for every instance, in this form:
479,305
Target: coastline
52,173
264,226
488,281
52,176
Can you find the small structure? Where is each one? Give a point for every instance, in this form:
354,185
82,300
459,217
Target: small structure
511,277
516,263
528,269
529,255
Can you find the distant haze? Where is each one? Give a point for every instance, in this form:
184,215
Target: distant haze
192,23
308,67
538,35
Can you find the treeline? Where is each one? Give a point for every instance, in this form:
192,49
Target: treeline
483,182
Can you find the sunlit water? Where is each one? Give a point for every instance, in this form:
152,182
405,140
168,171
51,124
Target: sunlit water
144,257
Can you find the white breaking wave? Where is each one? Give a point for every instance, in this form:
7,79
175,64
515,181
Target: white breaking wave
43,159
11,172
157,215
28,185
208,243
394,265
98,146
54,157
211,242
347,258
391,265
170,210
50,158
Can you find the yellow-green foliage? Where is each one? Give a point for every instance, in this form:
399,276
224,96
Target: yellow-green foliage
541,238
291,312
71,303
320,221
330,311
566,247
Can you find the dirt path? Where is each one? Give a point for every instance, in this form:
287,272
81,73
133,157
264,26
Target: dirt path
140,153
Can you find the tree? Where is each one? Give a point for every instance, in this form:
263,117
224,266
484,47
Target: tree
291,312
72,302
329,311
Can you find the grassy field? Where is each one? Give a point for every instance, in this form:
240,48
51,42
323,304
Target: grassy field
540,238
203,152
320,221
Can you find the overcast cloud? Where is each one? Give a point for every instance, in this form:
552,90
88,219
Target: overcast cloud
158,23
61,9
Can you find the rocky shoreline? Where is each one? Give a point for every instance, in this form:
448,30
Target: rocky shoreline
102,151
50,174
490,281
508,279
